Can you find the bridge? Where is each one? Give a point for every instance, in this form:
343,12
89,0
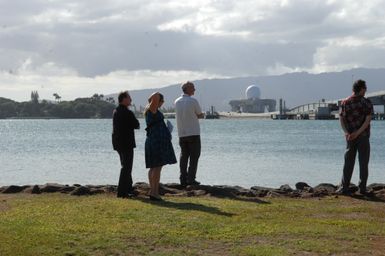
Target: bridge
325,109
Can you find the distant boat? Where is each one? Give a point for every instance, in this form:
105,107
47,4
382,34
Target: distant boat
212,114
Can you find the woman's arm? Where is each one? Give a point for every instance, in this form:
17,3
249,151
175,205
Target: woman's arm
154,102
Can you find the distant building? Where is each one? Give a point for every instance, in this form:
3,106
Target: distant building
253,102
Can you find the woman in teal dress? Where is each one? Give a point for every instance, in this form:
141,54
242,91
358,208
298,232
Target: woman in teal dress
158,147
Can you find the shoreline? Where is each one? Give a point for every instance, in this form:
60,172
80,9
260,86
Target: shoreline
301,190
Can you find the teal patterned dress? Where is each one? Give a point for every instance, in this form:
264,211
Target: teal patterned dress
158,147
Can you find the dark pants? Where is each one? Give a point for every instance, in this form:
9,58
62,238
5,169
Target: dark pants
362,146
125,179
190,151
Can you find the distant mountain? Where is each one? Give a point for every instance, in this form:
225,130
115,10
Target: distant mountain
294,88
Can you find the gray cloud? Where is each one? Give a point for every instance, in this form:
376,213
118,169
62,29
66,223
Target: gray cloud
228,38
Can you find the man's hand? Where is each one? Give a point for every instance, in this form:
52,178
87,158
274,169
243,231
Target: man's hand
353,136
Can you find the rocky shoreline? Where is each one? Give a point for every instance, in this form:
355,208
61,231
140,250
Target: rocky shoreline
301,190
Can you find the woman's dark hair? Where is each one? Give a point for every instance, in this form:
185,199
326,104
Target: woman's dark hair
122,96
358,85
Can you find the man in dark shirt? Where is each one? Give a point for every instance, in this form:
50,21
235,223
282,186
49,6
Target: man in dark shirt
123,141
355,116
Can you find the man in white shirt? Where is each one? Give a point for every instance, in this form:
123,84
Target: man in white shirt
188,112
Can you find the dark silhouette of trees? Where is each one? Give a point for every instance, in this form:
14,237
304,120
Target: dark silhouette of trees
35,97
57,97
93,107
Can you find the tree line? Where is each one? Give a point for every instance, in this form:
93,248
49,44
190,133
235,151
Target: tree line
95,106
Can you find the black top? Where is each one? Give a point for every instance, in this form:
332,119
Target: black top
124,123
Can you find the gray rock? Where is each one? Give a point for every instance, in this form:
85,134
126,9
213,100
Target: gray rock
81,191
35,190
168,190
376,186
97,191
174,186
325,189
111,189
51,188
286,188
302,186
200,192
67,189
13,189
261,191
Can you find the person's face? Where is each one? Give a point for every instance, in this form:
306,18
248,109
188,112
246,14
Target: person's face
161,103
191,90
127,101
363,91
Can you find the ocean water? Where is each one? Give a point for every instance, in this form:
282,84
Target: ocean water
234,152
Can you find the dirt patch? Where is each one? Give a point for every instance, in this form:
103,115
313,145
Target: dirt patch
4,206
378,246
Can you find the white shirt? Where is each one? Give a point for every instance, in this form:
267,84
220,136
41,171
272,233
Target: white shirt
187,108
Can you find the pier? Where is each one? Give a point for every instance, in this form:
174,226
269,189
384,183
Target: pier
324,110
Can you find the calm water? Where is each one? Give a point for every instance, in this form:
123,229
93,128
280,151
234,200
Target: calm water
234,152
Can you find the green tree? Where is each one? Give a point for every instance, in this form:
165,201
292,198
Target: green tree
35,97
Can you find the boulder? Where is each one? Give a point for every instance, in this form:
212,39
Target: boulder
163,189
13,189
175,186
111,189
302,186
376,186
35,190
261,191
274,194
81,191
200,192
286,188
51,188
67,189
97,191
325,189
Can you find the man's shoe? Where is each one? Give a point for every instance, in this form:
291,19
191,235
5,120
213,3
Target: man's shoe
343,191
154,198
366,193
194,182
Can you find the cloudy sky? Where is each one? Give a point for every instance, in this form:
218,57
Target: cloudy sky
77,48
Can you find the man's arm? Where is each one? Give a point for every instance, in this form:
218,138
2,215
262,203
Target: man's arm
134,123
362,128
343,126
198,111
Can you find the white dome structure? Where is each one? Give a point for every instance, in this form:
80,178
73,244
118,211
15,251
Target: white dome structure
253,92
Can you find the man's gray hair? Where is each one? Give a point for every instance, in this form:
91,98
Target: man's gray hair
186,85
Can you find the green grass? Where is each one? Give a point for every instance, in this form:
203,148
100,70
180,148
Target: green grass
56,224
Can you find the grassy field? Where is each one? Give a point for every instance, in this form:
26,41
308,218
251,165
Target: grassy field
56,224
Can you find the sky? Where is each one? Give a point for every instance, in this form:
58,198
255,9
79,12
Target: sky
78,48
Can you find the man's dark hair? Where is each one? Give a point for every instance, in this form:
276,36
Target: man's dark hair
185,85
358,85
122,96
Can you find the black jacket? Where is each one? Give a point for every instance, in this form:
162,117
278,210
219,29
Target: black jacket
124,123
